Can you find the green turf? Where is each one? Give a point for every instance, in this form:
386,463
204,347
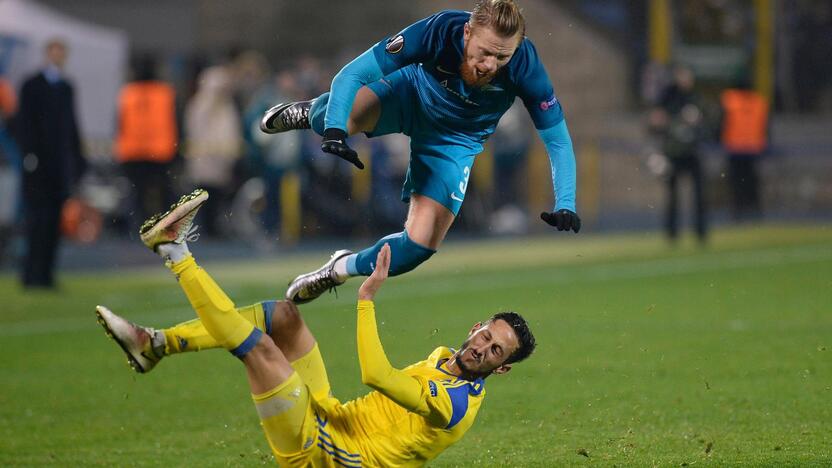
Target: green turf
648,356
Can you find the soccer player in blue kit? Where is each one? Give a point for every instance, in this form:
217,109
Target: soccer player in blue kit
444,81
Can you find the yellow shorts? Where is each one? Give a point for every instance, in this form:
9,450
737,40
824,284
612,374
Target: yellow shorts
293,416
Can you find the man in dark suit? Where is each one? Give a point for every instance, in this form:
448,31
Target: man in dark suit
52,162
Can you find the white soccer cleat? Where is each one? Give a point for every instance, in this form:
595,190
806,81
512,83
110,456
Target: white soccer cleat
143,346
174,225
308,287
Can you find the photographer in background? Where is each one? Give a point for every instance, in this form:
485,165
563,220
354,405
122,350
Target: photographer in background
678,121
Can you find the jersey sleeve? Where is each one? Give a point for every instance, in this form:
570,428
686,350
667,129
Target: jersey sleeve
535,89
562,160
416,43
446,402
345,86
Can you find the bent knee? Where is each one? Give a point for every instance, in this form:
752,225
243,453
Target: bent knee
287,314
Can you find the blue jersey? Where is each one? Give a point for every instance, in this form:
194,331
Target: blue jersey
434,47
427,55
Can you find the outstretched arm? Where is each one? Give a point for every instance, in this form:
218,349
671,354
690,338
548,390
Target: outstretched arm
361,71
376,370
562,159
546,112
413,44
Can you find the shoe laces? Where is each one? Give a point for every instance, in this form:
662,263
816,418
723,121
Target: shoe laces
322,281
192,234
295,115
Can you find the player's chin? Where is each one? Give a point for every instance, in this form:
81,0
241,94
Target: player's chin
476,82
471,363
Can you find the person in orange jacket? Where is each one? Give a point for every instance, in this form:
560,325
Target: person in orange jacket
745,121
147,139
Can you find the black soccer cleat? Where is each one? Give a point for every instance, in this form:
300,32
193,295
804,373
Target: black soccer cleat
286,116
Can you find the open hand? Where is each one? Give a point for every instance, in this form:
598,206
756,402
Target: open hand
372,284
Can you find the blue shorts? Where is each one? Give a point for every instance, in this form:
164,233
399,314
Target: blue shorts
440,161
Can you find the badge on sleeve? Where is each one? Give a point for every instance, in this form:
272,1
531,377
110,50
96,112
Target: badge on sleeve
395,45
433,390
549,103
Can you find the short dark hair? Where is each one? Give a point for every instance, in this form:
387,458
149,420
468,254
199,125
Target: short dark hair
504,16
525,339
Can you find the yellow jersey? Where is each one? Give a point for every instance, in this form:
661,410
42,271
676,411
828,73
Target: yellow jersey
411,417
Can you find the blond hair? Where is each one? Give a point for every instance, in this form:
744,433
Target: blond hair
503,16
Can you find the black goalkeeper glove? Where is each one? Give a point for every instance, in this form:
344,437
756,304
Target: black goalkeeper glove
335,142
564,220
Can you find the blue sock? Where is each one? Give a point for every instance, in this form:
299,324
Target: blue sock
405,256
317,113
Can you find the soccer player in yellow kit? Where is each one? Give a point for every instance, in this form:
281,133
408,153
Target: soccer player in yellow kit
412,415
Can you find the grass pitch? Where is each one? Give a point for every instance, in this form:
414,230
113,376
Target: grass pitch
647,355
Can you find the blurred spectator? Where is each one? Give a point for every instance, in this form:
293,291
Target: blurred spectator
678,120
744,137
250,72
9,166
510,145
272,156
654,80
214,140
812,43
390,155
327,192
310,76
53,163
146,141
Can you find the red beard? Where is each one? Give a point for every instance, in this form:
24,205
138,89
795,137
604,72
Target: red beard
469,76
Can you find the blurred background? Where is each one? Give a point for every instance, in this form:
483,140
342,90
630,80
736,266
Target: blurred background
683,113
688,322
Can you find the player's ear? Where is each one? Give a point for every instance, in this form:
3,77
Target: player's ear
502,369
476,327
466,31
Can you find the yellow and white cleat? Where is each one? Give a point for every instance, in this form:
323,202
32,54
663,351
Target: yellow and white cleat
174,225
143,346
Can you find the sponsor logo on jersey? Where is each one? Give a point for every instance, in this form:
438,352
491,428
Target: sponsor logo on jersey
444,84
433,390
395,45
308,443
548,104
442,70
491,87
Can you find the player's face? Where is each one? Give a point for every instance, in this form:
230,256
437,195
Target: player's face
487,348
484,53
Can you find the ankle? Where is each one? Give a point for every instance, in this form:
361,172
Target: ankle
174,252
341,268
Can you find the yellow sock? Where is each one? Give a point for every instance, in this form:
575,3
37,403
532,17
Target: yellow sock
215,309
313,373
192,335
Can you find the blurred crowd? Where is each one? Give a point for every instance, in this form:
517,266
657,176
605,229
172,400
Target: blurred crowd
204,132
